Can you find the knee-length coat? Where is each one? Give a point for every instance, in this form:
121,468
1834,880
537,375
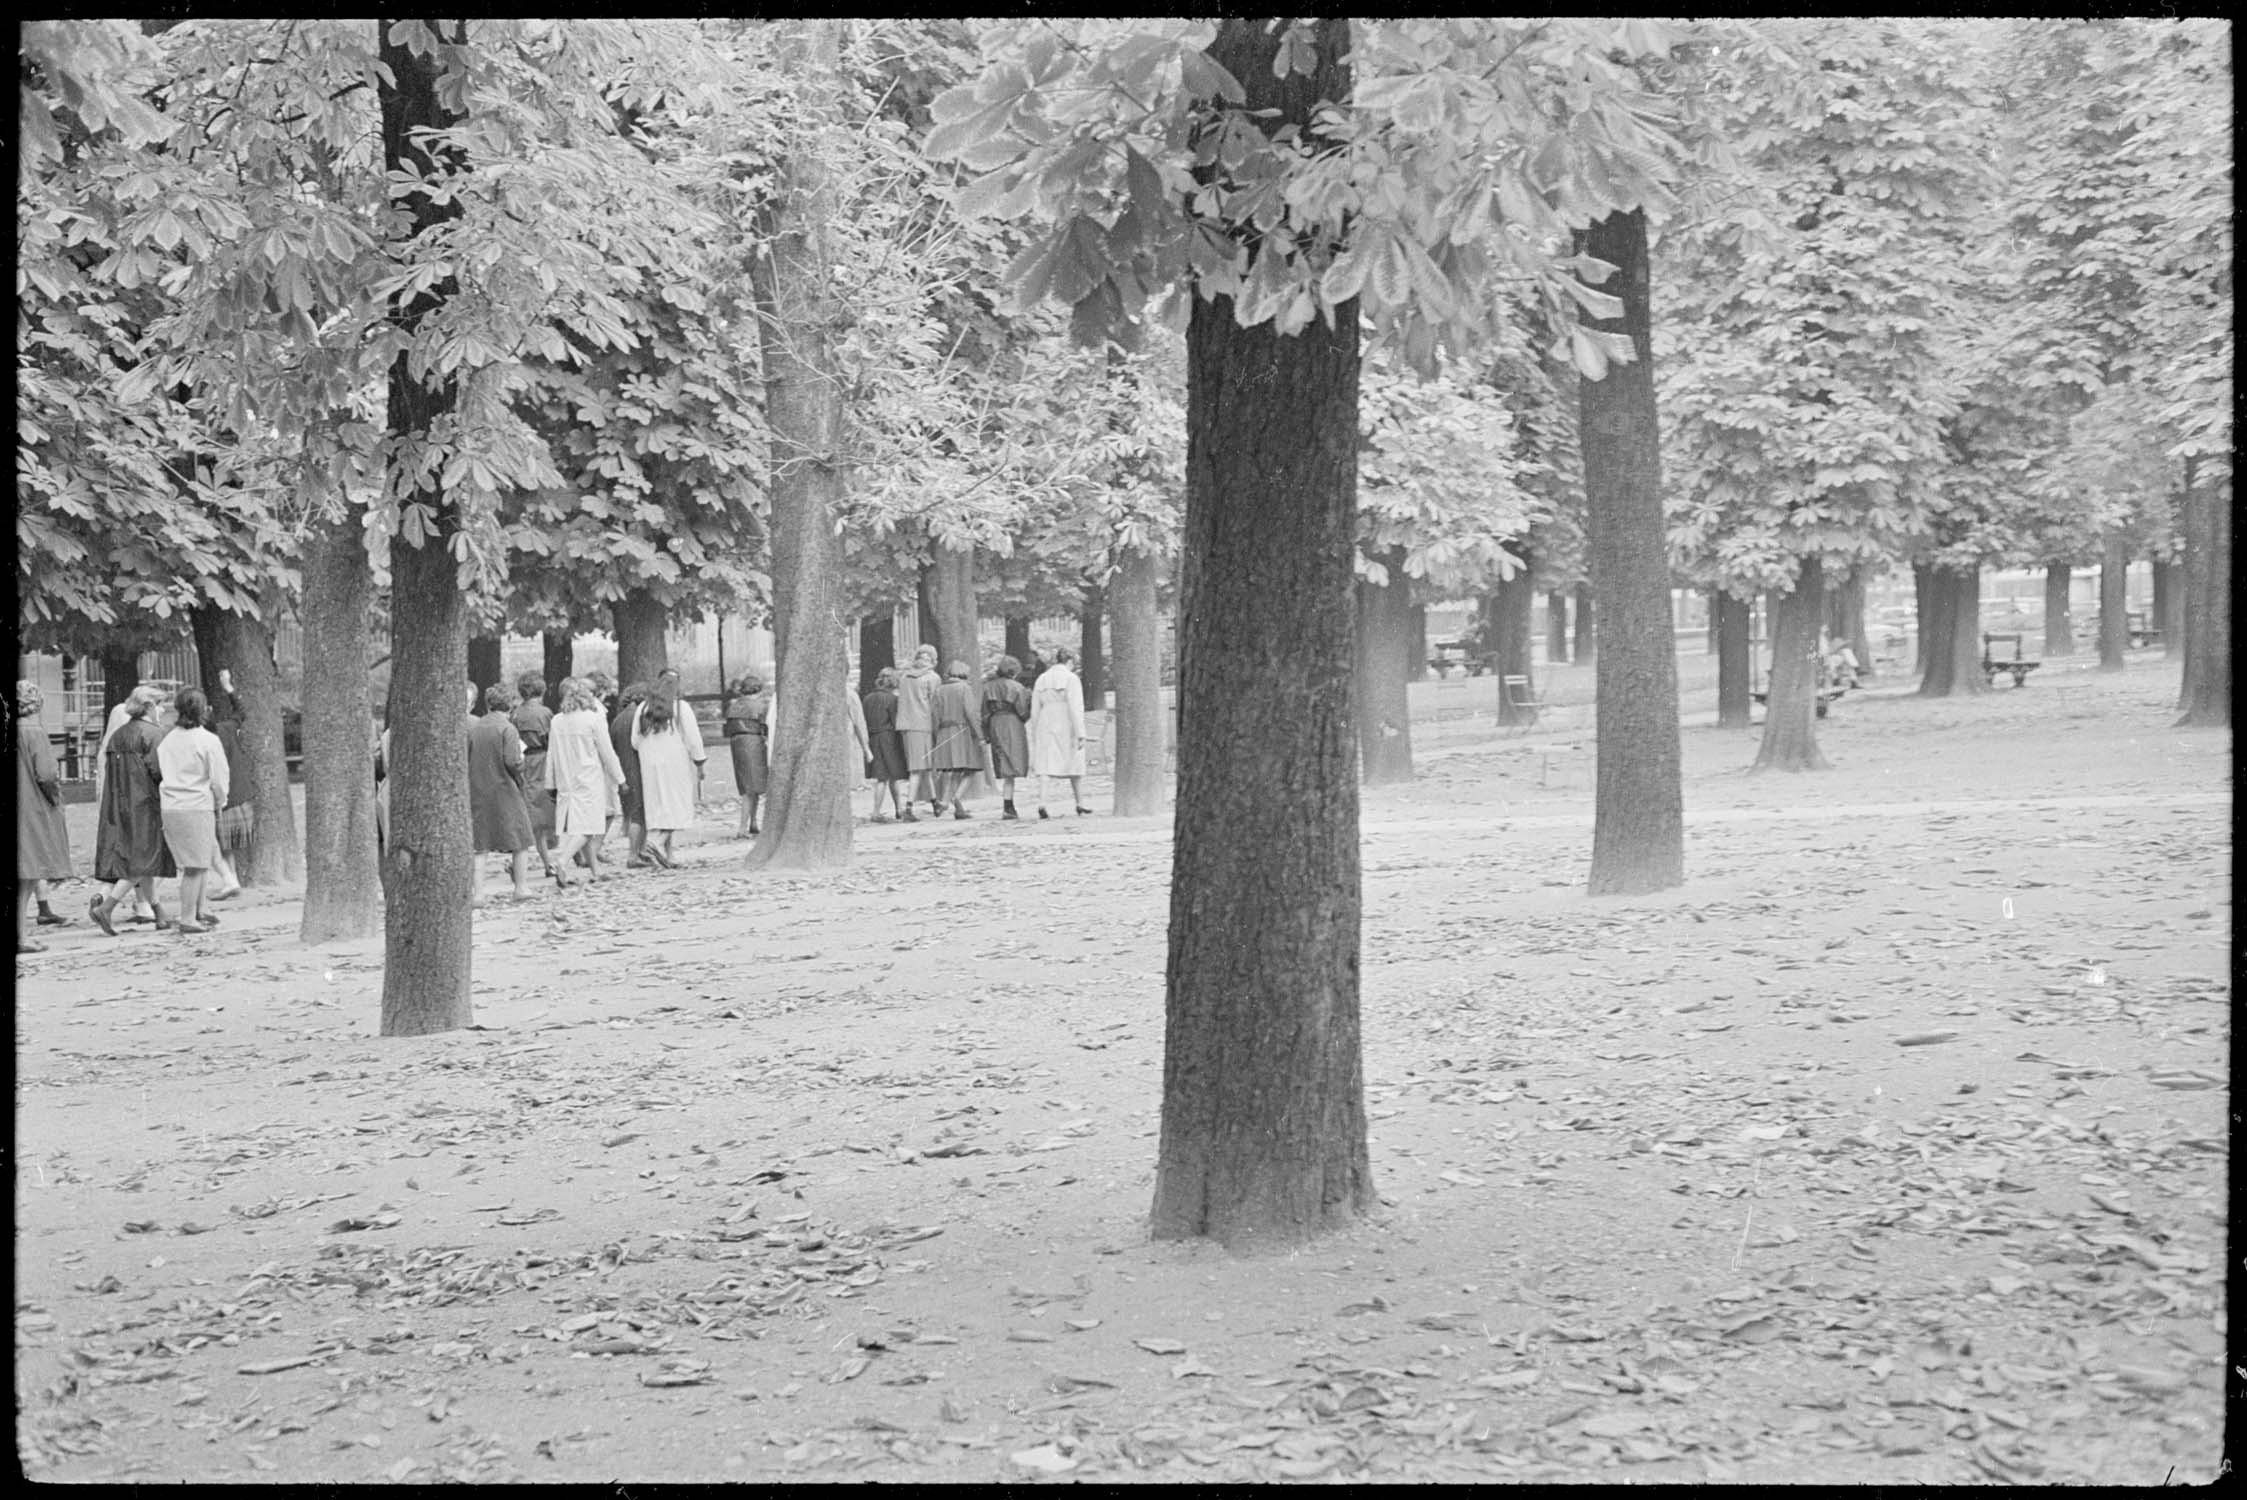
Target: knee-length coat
668,762
129,838
1057,723
1006,715
959,739
582,771
42,838
496,809
885,759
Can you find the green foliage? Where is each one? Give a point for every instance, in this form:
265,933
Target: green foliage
1440,474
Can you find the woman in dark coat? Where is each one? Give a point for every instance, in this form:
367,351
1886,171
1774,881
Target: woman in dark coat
129,849
628,795
748,724
1006,709
534,721
497,811
957,753
885,759
42,839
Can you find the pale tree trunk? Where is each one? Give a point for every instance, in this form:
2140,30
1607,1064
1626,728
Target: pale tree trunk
2114,604
1384,712
2059,622
342,893
1140,730
808,827
1509,612
1638,819
951,593
1735,623
1263,1139
638,620
1714,598
426,933
1790,733
2207,609
1416,658
1587,633
246,648
1556,625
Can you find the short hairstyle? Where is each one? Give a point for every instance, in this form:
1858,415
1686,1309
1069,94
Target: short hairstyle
636,693
578,696
655,714
748,685
194,709
600,681
886,680
924,649
499,697
143,698
1063,655
956,669
1009,667
531,685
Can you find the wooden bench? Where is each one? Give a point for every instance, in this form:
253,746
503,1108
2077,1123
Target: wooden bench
1992,664
2142,630
1827,692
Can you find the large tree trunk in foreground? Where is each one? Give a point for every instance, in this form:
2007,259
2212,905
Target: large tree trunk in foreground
1509,612
485,664
2206,699
1954,650
342,893
246,647
2114,604
877,646
1383,639
1556,625
1263,1122
1140,727
638,621
557,658
1638,818
425,978
1092,657
1790,733
1587,633
2059,620
808,827
1735,622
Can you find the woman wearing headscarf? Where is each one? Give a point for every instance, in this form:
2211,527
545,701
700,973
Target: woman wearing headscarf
916,688
748,727
195,778
1006,709
885,756
628,793
129,850
497,811
583,773
671,758
1057,732
42,839
958,752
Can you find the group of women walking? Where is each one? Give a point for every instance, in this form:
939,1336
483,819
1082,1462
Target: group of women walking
938,734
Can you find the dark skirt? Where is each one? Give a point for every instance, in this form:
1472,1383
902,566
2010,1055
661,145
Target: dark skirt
888,763
751,769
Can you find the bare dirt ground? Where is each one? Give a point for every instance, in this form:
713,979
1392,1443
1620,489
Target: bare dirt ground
1890,1149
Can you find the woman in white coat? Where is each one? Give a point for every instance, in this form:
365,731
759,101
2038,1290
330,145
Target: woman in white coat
671,755
1057,735
583,773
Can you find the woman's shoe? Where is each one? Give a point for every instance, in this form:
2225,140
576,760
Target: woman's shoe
98,909
1043,813
189,929
959,811
1084,812
908,816
49,918
1011,813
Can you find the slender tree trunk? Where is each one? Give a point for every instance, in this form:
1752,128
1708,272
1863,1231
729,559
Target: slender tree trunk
639,620
951,592
1638,818
203,630
1416,636
1735,619
484,664
2059,622
246,647
877,646
924,602
1141,730
2164,596
557,657
425,979
1092,657
1556,625
1954,654
1383,638
808,827
1845,617
1587,636
1509,615
1790,723
1714,599
120,674
342,892
1263,1124
2169,606
1018,637
1927,603
2207,608
2114,605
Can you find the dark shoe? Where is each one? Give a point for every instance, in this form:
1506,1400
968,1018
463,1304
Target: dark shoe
908,816
755,829
1084,812
1043,813
959,811
138,920
98,909
1010,812
51,919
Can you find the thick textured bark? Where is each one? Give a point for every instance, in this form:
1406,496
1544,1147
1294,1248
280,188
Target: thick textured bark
1383,639
1790,723
1416,648
426,932
2114,604
483,664
2207,610
1509,611
120,674
1638,816
1954,644
1263,1125
877,646
342,893
1017,637
2059,619
951,593
1735,624
1556,625
1092,655
638,620
808,825
246,650
1587,635
1139,719
557,656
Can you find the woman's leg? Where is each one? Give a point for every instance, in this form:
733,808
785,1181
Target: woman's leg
519,865
1076,795
145,888
24,944
593,856
190,898
565,849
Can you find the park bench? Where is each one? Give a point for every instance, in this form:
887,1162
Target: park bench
1449,654
2143,632
1827,692
2019,666
1515,692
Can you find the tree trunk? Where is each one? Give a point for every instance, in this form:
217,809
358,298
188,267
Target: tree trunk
1509,613
1712,605
1140,728
1018,637
877,646
203,630
1927,603
1556,625
1587,637
2207,606
1845,617
951,593
1638,818
808,827
1263,1124
1954,646
246,647
2059,622
1092,657
924,602
120,674
484,664
1790,732
2169,610
641,652
425,978
1383,637
2114,605
1416,645
1735,619
557,660
342,892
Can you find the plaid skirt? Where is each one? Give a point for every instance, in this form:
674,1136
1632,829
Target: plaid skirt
237,830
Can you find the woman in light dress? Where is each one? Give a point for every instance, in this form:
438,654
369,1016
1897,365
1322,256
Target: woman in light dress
1057,733
195,776
584,775
669,744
